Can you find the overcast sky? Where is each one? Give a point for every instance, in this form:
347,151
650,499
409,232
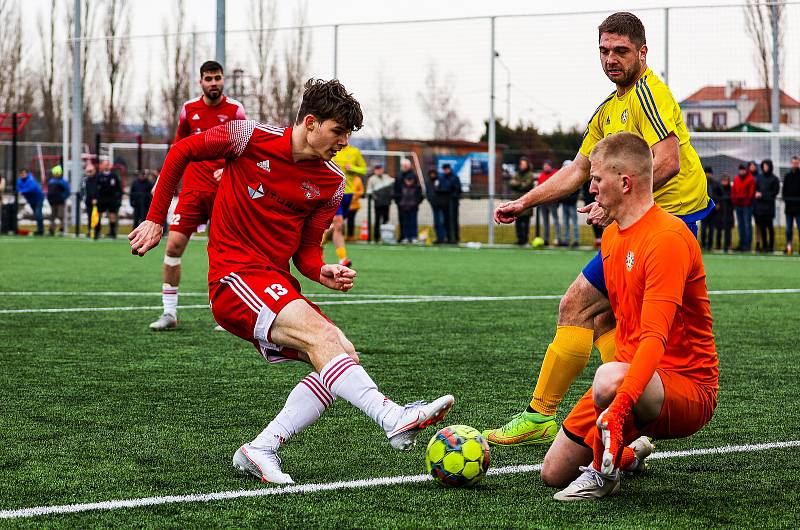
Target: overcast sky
551,60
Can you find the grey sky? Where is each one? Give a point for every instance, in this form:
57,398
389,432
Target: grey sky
555,73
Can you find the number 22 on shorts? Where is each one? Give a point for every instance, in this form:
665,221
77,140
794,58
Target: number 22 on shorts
276,290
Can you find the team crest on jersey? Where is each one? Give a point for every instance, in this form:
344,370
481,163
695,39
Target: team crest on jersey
311,191
624,117
222,118
196,116
264,164
256,192
629,261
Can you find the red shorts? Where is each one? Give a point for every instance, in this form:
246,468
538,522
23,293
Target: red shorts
192,210
687,407
246,303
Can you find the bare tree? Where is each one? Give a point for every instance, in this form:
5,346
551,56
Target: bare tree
262,38
387,109
49,90
759,17
116,24
175,87
148,110
287,81
17,92
440,106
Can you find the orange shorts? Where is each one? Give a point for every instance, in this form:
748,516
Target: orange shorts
687,407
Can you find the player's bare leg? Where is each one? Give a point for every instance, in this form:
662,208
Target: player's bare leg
566,357
176,246
339,240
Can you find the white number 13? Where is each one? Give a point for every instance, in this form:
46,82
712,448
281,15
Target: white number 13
276,290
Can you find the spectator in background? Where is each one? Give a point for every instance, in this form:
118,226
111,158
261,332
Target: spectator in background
752,168
355,205
711,223
58,192
569,211
549,209
109,197
452,185
588,199
725,213
380,187
89,194
439,200
768,186
791,199
408,195
742,194
141,194
29,187
521,183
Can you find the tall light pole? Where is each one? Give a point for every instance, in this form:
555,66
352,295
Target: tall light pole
508,88
220,55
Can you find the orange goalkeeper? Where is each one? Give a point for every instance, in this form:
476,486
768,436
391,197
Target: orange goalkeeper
663,381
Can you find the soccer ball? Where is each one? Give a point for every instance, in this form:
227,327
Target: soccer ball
538,242
457,455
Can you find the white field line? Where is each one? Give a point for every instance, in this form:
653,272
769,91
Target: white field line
382,299
343,485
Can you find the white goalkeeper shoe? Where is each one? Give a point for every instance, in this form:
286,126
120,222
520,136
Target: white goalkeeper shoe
164,323
416,417
591,485
642,448
262,464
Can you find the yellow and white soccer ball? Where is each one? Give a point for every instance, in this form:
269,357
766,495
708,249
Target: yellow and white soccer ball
457,455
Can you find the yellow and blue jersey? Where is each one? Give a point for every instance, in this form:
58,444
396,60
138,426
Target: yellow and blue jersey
650,111
351,156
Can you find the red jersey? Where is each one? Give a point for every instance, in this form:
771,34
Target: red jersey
269,209
197,117
657,289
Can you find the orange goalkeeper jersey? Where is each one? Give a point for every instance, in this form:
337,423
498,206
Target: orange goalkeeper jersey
657,289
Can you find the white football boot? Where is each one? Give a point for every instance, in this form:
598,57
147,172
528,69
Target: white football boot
642,448
262,464
416,417
591,485
164,323
219,328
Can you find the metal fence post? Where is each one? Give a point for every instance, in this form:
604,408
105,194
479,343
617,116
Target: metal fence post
492,142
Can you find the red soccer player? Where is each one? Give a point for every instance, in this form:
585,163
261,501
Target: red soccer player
663,381
279,194
200,182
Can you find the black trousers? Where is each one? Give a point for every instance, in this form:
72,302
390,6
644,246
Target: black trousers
381,217
523,228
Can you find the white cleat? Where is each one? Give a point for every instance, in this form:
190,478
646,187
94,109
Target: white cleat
416,417
264,465
164,323
642,448
219,328
591,485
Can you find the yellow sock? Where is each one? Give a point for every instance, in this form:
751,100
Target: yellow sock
566,357
341,253
606,345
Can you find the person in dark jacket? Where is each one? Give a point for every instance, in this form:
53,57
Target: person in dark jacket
725,214
28,186
408,196
439,200
521,183
742,195
109,197
569,217
452,184
711,223
791,199
58,192
768,186
89,195
141,194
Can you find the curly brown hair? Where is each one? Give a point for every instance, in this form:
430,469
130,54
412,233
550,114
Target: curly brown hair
625,24
329,100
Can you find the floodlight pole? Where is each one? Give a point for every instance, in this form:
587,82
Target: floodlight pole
221,32
492,142
77,103
335,51
776,89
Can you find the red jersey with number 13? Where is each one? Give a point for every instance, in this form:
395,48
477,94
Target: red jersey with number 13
197,117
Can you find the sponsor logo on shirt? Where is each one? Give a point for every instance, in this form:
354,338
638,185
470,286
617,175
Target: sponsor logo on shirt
257,192
264,164
222,118
624,117
311,191
629,261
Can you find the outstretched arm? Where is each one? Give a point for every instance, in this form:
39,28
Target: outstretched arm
666,160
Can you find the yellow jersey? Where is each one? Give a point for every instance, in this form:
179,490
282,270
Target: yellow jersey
650,111
351,156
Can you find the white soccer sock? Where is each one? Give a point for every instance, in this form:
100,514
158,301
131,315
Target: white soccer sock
169,296
304,406
345,378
